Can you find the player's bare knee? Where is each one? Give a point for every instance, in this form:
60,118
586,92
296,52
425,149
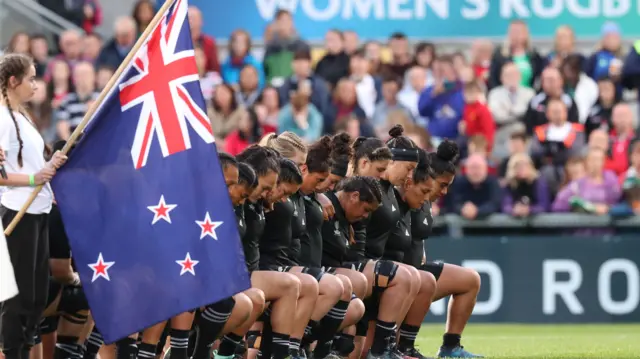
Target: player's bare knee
359,283
474,280
428,283
415,279
289,285
258,300
308,285
356,310
347,288
402,279
331,286
243,306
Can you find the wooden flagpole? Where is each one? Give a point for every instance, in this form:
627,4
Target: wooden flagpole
76,133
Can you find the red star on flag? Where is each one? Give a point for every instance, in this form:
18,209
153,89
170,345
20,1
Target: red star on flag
208,227
100,269
161,211
187,265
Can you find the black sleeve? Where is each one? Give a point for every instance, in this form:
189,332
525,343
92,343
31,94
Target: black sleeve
573,113
530,120
58,242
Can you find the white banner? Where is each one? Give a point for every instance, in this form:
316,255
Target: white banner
8,287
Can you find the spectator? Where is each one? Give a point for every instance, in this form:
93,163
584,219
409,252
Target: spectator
517,144
481,52
373,52
477,145
240,56
248,90
71,52
103,76
595,193
526,193
345,104
334,65
224,113
443,103
467,76
573,170
76,104
281,49
40,111
410,94
301,117
459,62
92,15
39,50
60,84
508,104
124,37
368,88
143,13
600,114
320,96
390,88
517,49
395,117
351,42
555,142
420,137
350,125
269,99
424,57
19,43
564,44
208,80
552,88
621,137
75,11
607,60
476,119
631,70
630,182
203,41
91,46
249,132
476,194
579,86
400,55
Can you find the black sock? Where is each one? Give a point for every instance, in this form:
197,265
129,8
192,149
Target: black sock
126,348
344,344
79,351
93,344
210,323
179,343
229,344
66,347
280,345
408,334
294,345
329,326
309,334
381,338
450,340
146,351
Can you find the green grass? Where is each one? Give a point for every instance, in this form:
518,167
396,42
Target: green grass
582,341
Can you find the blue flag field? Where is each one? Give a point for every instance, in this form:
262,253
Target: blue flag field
143,197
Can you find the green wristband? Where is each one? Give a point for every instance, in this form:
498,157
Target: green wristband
32,180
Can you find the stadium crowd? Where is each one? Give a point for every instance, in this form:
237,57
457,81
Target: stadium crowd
539,132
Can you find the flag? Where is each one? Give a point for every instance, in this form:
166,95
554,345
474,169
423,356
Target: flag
8,287
143,198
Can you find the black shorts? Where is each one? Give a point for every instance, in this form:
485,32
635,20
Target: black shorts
434,268
356,266
316,273
49,325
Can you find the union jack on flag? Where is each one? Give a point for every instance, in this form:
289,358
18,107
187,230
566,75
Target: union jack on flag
151,240
163,69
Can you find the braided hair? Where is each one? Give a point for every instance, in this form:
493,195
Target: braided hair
288,144
16,66
442,161
368,188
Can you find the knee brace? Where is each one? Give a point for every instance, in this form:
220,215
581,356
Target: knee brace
254,339
73,300
383,274
362,327
75,318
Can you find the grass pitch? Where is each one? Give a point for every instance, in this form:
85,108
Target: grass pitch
583,341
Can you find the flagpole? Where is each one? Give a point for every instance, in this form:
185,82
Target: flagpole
92,109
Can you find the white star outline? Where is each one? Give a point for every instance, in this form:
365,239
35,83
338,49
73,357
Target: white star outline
211,232
186,268
100,273
157,215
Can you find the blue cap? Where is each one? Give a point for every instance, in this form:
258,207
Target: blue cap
610,28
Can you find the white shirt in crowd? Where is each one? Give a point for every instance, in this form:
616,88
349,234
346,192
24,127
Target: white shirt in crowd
366,94
33,161
585,96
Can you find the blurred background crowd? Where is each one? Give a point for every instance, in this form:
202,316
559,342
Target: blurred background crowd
540,131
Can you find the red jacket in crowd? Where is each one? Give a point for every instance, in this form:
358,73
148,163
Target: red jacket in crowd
618,161
482,71
208,46
479,121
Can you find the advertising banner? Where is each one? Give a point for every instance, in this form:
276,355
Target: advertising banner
533,279
421,19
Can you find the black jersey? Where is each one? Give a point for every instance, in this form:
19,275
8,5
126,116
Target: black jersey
311,239
381,222
335,235
276,240
254,223
421,226
298,226
59,247
399,240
